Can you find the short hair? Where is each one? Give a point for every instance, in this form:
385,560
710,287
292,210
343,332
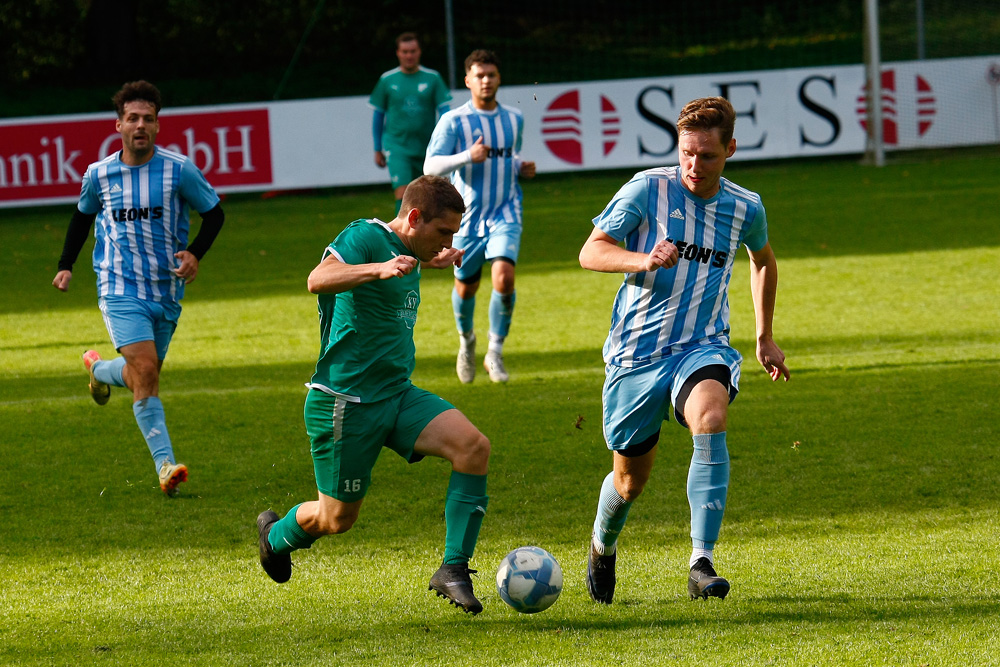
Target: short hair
481,57
432,196
407,37
707,113
136,90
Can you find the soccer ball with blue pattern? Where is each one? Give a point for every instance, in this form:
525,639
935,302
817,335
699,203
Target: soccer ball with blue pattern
529,579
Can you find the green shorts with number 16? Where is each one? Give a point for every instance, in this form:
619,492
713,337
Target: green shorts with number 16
347,437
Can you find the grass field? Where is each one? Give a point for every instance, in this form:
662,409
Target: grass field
863,512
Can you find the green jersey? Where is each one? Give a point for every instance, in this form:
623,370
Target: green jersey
410,103
366,333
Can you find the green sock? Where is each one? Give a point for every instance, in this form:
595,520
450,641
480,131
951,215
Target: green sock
287,535
464,508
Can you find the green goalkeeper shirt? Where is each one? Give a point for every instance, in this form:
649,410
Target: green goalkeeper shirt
366,333
410,103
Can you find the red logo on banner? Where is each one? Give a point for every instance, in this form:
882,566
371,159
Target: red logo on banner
562,127
47,160
925,107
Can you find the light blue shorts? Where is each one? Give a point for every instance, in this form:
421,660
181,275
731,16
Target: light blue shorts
504,240
131,320
636,400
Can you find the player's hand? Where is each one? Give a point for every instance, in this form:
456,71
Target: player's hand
61,281
397,267
188,267
527,170
380,159
662,256
772,359
479,151
445,258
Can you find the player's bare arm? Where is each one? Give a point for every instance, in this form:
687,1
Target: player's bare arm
763,288
332,276
602,253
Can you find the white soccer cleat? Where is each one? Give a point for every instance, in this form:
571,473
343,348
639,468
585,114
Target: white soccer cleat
494,365
466,364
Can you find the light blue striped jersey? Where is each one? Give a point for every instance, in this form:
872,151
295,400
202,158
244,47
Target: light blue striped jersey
665,311
490,188
142,221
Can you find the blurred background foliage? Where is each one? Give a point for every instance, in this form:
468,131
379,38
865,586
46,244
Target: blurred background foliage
68,56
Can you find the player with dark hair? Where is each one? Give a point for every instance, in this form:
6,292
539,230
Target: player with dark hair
669,338
479,144
361,399
140,197
407,101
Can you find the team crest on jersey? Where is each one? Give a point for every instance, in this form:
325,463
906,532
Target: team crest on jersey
408,313
421,87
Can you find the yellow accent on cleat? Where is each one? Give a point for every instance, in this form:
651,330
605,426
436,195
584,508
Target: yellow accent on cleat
172,474
99,391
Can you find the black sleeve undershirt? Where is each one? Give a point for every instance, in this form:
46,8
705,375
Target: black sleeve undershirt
211,224
76,236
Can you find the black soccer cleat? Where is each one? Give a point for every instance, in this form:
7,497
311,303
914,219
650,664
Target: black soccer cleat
601,576
704,583
277,566
453,583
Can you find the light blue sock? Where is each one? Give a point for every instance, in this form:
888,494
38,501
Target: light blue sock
287,535
708,481
464,309
501,310
612,510
110,371
149,415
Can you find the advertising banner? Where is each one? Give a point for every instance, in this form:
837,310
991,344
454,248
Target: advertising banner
573,126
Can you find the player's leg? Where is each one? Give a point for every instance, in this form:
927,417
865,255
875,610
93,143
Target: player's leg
430,426
705,388
502,250
635,403
142,330
398,166
463,302
346,439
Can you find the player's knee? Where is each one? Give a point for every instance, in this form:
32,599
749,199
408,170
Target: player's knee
474,455
711,419
630,487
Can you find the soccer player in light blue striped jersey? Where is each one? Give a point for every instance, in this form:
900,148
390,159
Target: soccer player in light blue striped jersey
140,198
479,144
679,229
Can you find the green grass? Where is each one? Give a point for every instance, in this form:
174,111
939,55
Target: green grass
862,519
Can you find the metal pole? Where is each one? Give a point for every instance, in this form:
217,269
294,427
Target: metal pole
874,74
449,26
921,51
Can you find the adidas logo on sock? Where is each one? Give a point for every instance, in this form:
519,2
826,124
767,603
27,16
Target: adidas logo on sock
714,505
152,433
676,214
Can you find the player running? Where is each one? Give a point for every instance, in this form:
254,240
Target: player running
361,398
140,197
407,101
479,144
669,339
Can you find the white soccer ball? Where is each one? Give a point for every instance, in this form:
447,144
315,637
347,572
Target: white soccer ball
529,579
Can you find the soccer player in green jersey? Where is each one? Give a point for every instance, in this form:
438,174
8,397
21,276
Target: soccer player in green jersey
361,398
407,101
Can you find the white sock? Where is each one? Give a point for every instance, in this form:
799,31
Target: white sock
464,338
604,549
496,344
700,553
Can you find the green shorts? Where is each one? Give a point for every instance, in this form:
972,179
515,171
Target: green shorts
403,168
347,437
